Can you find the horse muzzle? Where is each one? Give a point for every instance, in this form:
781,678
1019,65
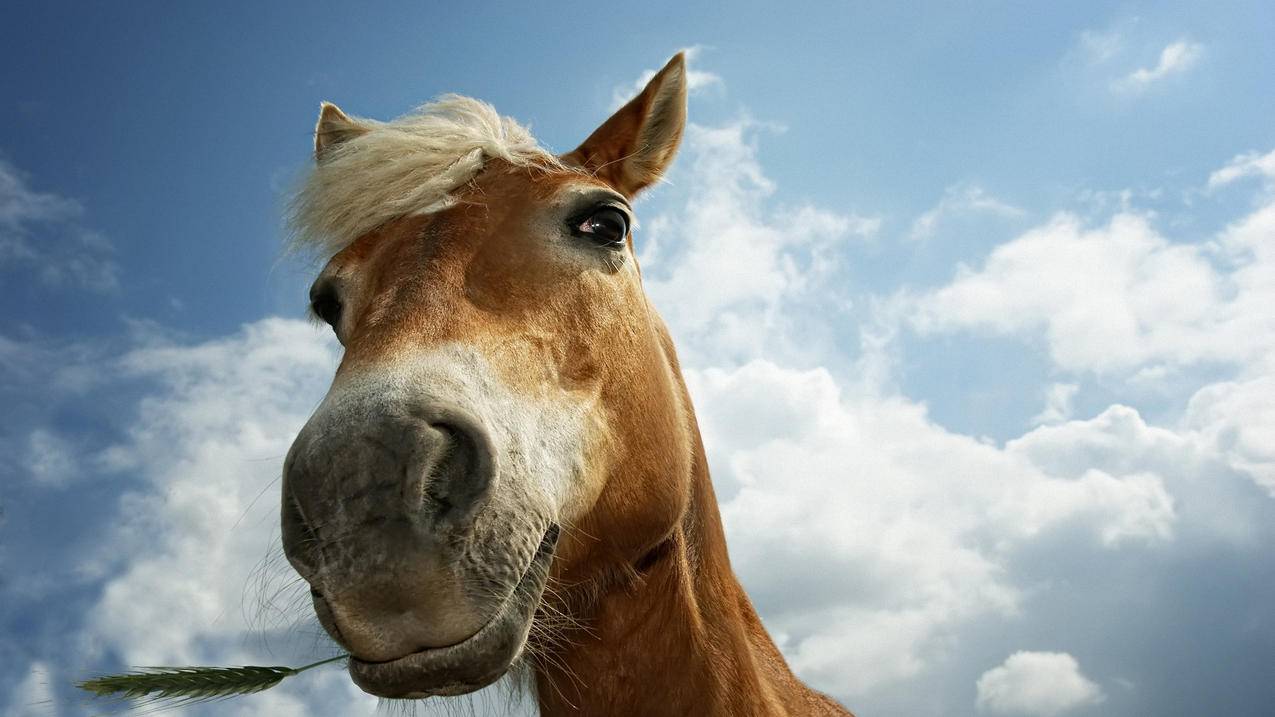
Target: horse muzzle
383,514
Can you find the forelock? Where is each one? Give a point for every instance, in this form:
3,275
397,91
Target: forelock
410,165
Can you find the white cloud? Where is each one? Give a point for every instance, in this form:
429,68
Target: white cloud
866,532
1121,299
1036,683
696,80
1175,58
1120,296
42,232
958,200
1251,164
1197,471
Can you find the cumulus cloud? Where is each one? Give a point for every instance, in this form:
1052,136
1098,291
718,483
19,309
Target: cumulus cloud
1117,296
1175,58
42,232
1122,299
1036,683
866,532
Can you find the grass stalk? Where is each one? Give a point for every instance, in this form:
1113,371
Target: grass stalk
176,686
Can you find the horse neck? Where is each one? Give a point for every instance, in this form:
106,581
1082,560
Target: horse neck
678,636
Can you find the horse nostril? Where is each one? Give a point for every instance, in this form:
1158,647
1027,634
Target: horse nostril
461,471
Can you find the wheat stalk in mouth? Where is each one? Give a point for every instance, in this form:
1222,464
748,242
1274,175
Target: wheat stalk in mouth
181,685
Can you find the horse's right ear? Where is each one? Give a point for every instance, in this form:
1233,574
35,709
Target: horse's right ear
333,128
633,148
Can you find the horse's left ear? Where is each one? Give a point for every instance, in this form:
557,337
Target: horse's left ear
632,149
333,128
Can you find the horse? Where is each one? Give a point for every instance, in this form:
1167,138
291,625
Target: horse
506,473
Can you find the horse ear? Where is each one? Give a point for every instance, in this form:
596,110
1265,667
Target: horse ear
333,128
632,149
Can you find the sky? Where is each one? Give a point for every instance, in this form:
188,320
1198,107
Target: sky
976,303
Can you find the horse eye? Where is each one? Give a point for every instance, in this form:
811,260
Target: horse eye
606,226
325,304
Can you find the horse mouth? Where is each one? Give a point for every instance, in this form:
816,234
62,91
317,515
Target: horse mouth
476,661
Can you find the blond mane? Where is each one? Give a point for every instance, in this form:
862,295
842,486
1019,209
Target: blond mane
410,165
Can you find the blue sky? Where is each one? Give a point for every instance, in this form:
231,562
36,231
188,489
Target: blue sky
998,281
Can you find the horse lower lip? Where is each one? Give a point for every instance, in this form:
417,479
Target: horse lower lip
476,661
464,667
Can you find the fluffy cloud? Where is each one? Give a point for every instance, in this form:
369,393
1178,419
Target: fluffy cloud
1036,683
1121,299
866,533
1119,296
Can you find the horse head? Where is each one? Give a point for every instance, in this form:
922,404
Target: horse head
507,410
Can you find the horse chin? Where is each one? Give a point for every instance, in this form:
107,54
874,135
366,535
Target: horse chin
476,661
